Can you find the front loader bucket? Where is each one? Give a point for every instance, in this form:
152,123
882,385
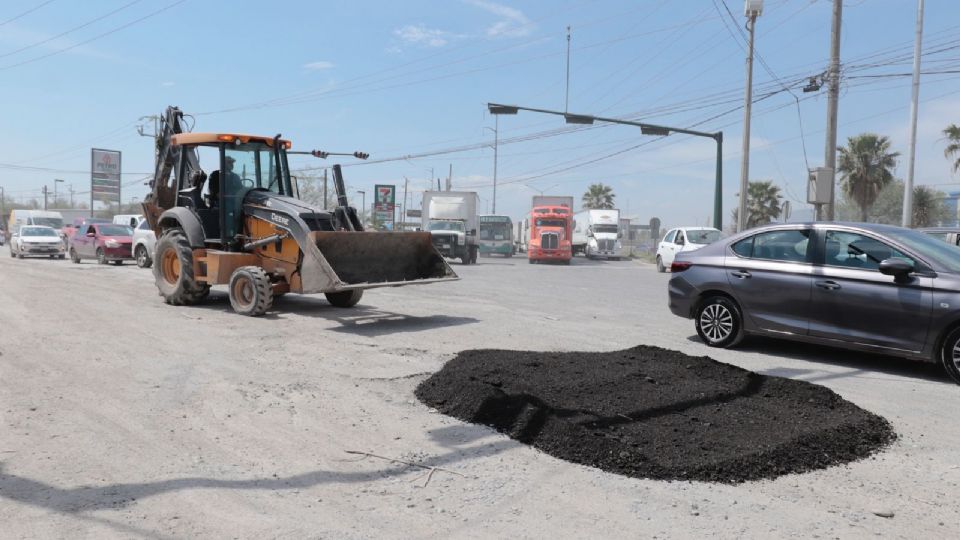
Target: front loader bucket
363,260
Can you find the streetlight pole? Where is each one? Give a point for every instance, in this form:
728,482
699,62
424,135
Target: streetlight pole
752,12
833,100
496,138
908,186
55,197
646,129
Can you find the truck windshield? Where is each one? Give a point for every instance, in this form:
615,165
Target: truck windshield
605,229
446,226
551,223
56,223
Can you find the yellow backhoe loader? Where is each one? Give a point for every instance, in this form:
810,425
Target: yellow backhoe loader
243,225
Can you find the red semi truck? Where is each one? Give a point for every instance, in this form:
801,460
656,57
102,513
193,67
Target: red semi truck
551,233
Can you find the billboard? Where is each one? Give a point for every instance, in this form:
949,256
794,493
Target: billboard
104,176
384,202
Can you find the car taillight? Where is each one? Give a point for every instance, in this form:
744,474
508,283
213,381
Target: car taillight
680,266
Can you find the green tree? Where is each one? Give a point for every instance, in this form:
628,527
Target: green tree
929,207
866,167
763,203
598,196
953,145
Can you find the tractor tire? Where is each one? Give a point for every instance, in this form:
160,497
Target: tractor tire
251,293
143,258
344,299
174,270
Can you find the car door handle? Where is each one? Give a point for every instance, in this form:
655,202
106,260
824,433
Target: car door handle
828,285
742,274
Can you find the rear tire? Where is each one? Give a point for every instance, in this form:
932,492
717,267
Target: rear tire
251,293
950,354
174,270
660,267
143,258
74,257
719,323
344,299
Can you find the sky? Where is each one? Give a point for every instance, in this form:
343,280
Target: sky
408,83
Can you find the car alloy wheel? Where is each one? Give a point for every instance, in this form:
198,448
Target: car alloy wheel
716,322
950,354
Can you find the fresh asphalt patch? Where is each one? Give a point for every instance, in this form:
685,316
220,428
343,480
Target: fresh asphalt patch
648,412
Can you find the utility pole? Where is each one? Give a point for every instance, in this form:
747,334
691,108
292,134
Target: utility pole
56,198
496,138
566,101
752,12
44,198
71,195
833,97
3,205
450,178
406,184
908,186
325,206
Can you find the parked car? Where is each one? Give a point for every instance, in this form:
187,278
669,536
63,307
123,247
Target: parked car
104,242
79,223
950,235
683,239
867,287
36,240
144,245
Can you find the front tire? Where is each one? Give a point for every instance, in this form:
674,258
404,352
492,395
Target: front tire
950,354
660,267
344,299
174,270
101,256
250,291
718,322
74,257
143,258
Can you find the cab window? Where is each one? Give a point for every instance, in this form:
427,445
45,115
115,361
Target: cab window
786,246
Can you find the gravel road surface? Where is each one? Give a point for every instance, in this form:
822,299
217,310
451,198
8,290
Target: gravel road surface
125,417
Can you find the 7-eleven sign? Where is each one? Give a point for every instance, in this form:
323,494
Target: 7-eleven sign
386,196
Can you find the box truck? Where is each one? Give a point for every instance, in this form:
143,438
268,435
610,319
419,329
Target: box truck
452,220
596,233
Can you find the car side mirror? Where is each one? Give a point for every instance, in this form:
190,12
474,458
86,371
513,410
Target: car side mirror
896,267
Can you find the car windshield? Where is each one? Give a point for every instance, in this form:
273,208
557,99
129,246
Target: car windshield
929,247
446,226
115,230
604,228
37,231
56,223
703,236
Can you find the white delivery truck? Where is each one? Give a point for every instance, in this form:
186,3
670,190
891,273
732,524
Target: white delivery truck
18,218
130,220
596,233
452,220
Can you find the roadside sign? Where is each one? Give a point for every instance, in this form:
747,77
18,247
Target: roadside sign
385,197
104,175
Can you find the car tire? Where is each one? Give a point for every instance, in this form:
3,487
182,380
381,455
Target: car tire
101,256
143,258
250,291
173,270
950,354
74,257
345,299
61,257
118,263
718,322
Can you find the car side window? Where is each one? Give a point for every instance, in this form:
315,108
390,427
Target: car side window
853,250
787,246
91,229
669,237
680,240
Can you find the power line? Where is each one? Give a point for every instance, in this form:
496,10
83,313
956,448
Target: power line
99,36
74,29
25,13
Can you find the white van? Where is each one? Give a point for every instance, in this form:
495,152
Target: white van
19,218
130,220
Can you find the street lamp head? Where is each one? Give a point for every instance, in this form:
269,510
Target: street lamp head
753,8
654,130
495,108
578,119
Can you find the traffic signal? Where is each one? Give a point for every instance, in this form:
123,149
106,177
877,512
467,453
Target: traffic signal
361,155
320,154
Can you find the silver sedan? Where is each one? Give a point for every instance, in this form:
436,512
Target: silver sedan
861,286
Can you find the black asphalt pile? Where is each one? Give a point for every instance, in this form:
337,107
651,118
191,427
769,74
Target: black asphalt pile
648,412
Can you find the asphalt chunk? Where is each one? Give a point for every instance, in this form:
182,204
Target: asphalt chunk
648,412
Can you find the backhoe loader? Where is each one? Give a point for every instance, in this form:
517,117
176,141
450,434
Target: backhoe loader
250,231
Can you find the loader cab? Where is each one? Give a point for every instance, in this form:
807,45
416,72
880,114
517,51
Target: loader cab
232,166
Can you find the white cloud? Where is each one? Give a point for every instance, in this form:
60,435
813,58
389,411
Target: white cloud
512,23
421,35
167,83
322,64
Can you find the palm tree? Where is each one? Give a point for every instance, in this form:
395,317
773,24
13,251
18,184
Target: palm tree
928,207
763,203
865,166
598,196
953,148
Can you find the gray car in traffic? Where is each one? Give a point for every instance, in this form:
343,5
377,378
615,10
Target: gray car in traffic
868,287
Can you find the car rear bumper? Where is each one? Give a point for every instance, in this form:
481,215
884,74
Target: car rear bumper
682,296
